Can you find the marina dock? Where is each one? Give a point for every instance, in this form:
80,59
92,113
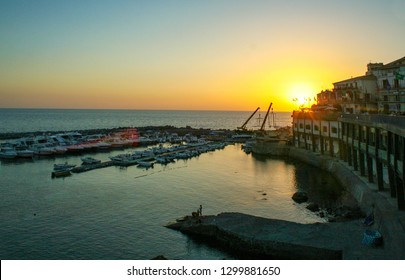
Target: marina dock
89,167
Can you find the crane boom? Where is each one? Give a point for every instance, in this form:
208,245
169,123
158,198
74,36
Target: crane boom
265,118
251,116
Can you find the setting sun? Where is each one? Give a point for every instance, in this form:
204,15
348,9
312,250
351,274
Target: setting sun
302,94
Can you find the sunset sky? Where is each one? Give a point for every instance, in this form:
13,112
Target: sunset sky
188,55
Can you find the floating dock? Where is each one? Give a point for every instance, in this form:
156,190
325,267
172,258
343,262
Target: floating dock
89,167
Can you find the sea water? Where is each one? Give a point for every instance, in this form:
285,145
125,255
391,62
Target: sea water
120,213
32,120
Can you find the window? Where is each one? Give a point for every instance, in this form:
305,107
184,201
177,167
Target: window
301,125
396,83
325,129
334,130
386,84
308,127
316,127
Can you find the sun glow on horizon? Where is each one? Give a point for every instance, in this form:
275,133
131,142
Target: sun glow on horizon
170,56
302,94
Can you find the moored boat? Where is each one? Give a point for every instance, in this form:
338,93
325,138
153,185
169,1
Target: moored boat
24,153
61,173
7,153
90,160
63,166
62,169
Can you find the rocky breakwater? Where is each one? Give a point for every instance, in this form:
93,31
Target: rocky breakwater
276,239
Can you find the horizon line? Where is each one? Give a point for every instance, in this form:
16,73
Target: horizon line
123,109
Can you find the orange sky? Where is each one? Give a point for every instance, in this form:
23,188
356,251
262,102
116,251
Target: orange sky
188,55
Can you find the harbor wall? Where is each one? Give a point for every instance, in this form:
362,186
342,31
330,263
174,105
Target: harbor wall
357,187
346,177
388,220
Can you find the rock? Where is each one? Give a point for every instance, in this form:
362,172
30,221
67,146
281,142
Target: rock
313,207
331,219
300,197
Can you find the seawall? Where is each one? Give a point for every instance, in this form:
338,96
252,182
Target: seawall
388,219
269,238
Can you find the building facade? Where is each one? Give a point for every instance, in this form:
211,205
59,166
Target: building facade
361,122
381,90
390,86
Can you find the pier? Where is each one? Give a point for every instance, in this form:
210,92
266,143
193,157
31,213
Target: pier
276,239
197,149
89,167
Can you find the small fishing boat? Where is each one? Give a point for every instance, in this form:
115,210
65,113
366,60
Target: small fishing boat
62,169
24,153
63,166
7,153
61,173
90,160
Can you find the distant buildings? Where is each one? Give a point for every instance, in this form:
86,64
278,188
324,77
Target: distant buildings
381,90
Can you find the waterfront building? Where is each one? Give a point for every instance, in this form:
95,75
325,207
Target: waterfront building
380,90
390,85
350,123
357,95
317,131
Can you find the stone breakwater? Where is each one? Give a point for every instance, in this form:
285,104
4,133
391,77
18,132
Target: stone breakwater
276,239
167,128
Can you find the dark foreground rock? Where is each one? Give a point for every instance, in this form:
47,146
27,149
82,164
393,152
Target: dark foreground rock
300,197
276,239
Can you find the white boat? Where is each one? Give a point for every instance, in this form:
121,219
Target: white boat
75,148
24,153
61,173
42,150
124,160
103,146
90,160
7,153
63,166
59,150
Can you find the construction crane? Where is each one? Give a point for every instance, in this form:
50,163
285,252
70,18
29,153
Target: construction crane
243,127
265,118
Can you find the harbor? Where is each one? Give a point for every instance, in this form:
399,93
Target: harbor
126,207
156,151
158,146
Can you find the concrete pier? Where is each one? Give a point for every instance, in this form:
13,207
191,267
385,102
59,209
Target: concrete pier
276,239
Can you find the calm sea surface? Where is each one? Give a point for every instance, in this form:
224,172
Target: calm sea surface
119,213
29,120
